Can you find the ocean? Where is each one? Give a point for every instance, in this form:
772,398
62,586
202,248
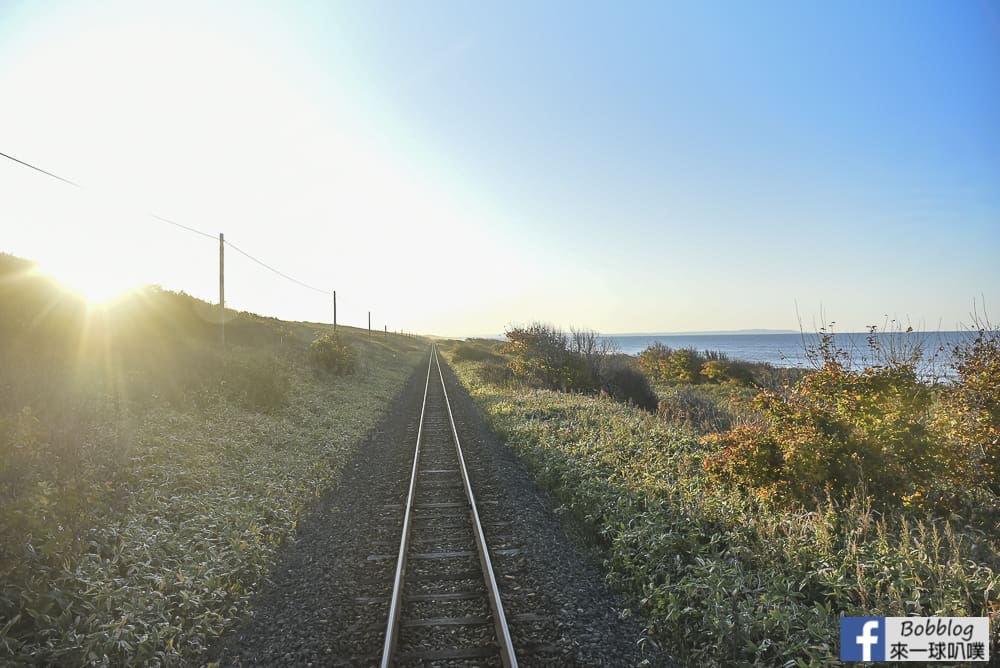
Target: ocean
788,349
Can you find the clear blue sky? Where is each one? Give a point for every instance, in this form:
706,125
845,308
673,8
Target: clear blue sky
621,166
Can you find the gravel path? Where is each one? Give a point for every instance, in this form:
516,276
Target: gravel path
327,600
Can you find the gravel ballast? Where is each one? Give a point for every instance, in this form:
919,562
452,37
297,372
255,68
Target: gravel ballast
327,600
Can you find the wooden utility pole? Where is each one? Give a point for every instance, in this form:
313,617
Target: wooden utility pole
222,288
369,324
335,310
386,328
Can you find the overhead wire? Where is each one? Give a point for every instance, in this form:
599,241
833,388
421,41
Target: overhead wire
181,226
279,273
39,169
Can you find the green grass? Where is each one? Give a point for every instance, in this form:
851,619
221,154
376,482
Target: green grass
728,578
146,490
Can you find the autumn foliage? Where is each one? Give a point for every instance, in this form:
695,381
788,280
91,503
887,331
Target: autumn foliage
969,415
881,430
663,364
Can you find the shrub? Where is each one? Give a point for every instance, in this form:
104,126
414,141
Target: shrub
683,366
837,430
665,365
653,360
724,371
330,353
543,356
539,355
970,415
628,385
686,365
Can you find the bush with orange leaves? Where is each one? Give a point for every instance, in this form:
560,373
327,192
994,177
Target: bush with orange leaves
840,430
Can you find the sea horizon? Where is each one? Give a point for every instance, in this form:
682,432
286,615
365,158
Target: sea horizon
716,332
735,332
789,348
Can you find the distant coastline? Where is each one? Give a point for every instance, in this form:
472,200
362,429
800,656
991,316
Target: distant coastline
731,332
720,332
781,348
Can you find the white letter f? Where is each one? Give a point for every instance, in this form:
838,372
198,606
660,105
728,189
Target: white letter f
866,640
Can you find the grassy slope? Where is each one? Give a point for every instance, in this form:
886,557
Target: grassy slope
147,479
727,579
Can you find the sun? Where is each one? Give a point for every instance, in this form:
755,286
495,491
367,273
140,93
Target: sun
97,285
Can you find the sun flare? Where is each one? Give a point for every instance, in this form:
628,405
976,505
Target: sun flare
95,285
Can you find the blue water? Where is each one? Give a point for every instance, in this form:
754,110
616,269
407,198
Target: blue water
789,349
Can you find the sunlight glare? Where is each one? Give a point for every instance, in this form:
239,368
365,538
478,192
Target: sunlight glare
97,286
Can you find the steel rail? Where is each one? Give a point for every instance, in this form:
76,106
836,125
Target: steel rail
396,605
507,656
506,648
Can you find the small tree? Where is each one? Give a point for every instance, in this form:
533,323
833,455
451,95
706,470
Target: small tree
539,354
653,361
684,366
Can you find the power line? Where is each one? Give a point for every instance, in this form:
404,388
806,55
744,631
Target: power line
279,273
77,185
39,169
183,227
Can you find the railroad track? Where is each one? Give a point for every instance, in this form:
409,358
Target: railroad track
446,607
332,592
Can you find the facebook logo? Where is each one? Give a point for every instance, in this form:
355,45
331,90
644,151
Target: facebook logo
918,639
862,638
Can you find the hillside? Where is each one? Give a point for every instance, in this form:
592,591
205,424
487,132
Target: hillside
148,477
